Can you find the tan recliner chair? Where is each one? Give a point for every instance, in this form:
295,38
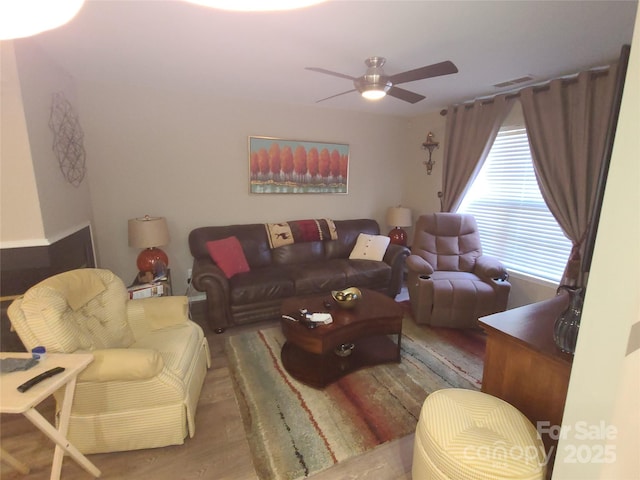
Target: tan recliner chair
450,282
150,360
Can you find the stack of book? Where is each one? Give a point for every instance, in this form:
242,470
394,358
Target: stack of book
155,288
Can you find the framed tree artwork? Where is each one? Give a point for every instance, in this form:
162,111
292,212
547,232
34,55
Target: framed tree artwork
292,166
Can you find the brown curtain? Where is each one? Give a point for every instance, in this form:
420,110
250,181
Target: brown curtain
567,127
469,135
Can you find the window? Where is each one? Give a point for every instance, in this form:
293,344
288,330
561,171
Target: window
515,223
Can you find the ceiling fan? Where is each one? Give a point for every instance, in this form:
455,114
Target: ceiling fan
375,84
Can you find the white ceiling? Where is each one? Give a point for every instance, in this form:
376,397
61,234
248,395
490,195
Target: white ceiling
179,45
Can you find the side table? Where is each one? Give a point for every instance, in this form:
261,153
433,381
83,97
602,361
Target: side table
12,401
157,288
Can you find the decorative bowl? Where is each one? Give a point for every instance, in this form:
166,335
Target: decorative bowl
347,298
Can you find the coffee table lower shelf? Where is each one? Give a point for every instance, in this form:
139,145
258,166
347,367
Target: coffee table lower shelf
318,371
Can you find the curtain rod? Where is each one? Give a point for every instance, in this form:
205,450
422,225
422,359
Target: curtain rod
536,88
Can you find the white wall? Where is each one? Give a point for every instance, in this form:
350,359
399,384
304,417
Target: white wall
38,205
185,157
65,208
420,189
21,226
612,305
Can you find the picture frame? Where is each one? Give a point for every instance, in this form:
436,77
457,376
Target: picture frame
278,165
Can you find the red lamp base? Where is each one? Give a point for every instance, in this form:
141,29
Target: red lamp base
149,257
398,236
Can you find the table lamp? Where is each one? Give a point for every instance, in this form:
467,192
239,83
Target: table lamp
149,233
398,217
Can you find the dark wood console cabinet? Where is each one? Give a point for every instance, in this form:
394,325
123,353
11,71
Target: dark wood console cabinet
23,267
523,365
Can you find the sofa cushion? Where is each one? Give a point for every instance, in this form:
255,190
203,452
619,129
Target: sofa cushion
122,364
78,287
460,298
298,253
177,345
252,237
348,231
317,277
447,241
229,256
366,273
370,247
259,285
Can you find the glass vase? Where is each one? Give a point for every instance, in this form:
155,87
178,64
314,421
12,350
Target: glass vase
565,331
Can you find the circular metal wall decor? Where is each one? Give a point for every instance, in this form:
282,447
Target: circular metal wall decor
67,140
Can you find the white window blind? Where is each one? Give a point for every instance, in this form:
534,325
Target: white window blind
515,224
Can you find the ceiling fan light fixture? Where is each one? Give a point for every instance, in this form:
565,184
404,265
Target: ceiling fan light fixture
22,18
256,5
374,93
374,84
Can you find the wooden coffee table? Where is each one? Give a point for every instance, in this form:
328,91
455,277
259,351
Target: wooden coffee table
309,354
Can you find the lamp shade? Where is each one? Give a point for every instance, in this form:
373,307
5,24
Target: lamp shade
148,232
399,217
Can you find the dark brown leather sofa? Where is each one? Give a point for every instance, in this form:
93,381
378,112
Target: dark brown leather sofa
292,270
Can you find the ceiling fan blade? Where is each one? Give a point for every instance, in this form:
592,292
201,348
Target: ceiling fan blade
405,95
336,95
329,72
435,70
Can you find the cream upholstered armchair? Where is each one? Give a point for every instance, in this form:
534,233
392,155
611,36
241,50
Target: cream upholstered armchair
150,360
450,282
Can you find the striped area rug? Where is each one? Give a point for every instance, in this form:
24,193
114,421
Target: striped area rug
295,430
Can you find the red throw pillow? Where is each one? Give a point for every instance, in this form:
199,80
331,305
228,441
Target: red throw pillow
229,256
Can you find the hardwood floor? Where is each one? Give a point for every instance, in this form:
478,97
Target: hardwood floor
218,450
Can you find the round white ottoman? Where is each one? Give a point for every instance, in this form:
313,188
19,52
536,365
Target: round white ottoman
464,434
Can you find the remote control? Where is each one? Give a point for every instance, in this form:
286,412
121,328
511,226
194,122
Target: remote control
37,379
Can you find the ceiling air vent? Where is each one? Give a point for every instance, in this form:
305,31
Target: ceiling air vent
515,81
